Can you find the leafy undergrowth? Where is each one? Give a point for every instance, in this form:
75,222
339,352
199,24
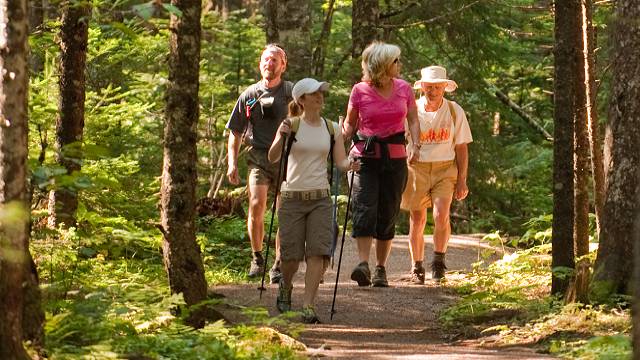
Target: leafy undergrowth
100,305
508,304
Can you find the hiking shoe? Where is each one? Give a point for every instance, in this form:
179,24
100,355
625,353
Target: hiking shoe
275,275
309,315
257,267
417,275
283,301
437,270
361,274
380,277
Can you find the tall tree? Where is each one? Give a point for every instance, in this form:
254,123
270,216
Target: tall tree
581,160
613,267
595,143
36,19
565,56
182,257
288,23
63,201
14,216
319,53
364,22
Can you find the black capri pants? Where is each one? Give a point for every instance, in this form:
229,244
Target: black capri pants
377,192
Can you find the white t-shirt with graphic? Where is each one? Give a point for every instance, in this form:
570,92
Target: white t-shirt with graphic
439,134
307,166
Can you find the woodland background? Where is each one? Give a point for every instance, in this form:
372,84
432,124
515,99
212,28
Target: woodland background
102,104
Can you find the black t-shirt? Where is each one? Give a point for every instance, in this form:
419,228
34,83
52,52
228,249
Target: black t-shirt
259,111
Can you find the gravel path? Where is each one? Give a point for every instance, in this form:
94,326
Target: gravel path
399,322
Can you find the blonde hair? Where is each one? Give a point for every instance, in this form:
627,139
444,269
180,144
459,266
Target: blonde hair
376,59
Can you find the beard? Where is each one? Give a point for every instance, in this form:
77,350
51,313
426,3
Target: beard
271,74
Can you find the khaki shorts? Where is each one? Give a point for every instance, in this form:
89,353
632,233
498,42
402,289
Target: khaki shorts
305,228
260,170
428,180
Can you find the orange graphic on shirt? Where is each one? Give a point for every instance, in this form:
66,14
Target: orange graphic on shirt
435,135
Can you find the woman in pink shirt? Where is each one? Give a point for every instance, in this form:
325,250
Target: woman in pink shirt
378,107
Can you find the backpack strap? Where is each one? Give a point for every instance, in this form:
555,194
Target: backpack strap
295,126
288,89
331,129
452,111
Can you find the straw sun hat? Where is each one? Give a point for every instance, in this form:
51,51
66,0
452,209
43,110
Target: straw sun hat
434,75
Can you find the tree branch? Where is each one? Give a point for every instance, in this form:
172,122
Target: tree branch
518,110
428,21
398,11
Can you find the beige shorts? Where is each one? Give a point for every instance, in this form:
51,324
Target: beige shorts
305,228
260,170
428,180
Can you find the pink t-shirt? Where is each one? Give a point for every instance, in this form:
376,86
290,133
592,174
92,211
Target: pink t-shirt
381,116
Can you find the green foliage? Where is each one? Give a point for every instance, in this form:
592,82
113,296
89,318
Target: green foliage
615,347
224,245
105,292
509,299
122,309
509,284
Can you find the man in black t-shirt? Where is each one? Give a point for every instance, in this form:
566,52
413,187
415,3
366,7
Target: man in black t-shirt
255,119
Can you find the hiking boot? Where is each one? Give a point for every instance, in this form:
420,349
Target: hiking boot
257,267
380,277
361,274
309,315
275,275
283,301
417,275
437,270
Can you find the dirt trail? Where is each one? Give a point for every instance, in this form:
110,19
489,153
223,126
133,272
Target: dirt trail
398,322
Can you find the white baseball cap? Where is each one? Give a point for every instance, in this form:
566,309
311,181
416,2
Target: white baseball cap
308,86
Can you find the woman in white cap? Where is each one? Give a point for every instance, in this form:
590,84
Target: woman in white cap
440,172
305,212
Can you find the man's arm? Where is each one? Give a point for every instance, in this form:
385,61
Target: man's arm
414,131
233,147
462,160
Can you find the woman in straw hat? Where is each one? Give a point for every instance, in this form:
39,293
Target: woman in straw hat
378,107
440,172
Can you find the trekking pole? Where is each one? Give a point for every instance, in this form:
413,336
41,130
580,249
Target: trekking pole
334,220
273,212
344,231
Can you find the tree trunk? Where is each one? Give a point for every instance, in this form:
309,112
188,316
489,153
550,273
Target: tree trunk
182,257
613,266
595,143
581,157
565,57
581,161
14,220
364,21
63,201
319,53
32,314
635,238
36,19
288,24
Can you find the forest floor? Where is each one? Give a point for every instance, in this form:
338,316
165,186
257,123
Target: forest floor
399,322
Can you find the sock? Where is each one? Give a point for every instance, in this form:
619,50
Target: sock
257,255
417,265
438,256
